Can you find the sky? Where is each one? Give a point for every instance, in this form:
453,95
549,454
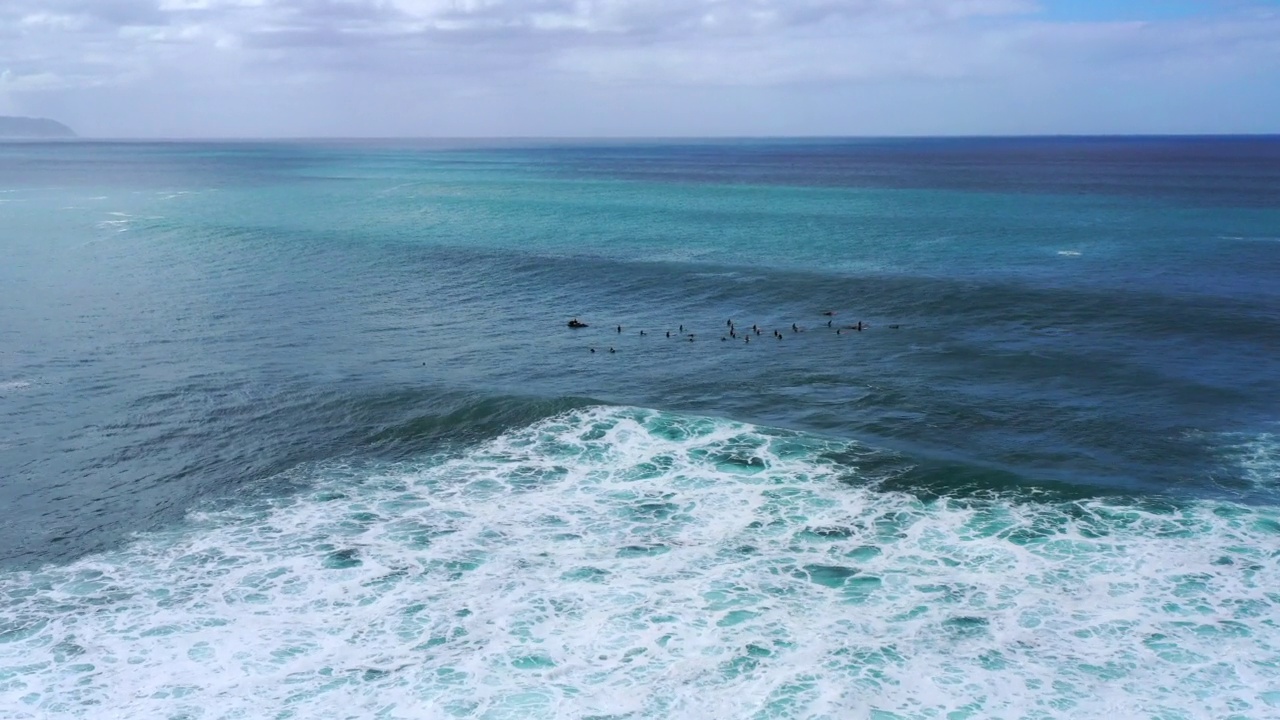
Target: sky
628,68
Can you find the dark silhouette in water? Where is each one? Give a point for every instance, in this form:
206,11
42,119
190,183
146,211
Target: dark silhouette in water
733,332
593,351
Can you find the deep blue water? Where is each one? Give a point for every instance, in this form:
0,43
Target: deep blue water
290,427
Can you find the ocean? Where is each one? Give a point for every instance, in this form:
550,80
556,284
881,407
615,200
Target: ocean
298,429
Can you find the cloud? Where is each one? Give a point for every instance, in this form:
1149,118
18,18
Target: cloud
62,54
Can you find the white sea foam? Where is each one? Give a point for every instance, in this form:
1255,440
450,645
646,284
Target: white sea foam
120,223
1256,456
626,563
14,385
1069,253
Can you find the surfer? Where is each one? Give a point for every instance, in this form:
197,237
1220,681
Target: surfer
576,323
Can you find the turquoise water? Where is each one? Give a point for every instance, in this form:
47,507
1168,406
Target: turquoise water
298,431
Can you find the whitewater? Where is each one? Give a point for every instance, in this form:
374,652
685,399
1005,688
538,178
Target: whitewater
618,562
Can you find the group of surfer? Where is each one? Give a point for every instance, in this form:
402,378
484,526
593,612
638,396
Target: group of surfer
733,330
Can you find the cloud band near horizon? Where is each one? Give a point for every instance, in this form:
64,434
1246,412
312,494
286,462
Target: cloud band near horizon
215,68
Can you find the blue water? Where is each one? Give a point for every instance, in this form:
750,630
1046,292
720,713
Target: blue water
298,430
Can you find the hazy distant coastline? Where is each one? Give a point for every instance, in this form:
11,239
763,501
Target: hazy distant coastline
25,127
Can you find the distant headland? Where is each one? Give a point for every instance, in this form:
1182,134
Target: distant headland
25,127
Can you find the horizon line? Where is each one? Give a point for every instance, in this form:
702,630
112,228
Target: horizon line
562,138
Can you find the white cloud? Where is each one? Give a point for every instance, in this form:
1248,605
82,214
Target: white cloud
230,52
